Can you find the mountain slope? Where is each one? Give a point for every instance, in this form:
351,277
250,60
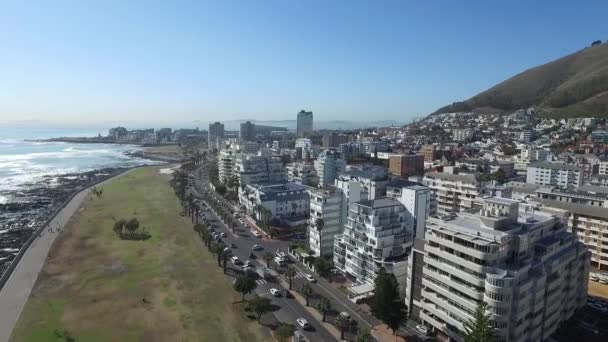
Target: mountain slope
574,85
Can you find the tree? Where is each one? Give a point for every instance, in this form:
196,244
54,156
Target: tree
396,316
386,291
219,252
118,225
284,332
364,335
244,285
290,273
323,266
132,225
342,322
319,224
324,305
268,257
306,291
260,305
480,327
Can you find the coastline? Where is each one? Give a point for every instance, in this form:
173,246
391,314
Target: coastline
16,284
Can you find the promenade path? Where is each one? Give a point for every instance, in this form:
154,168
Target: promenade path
17,290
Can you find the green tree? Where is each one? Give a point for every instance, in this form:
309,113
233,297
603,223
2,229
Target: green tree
364,335
342,322
244,285
386,304
132,225
324,305
480,328
268,257
284,332
260,305
323,266
396,316
118,225
319,224
306,291
290,273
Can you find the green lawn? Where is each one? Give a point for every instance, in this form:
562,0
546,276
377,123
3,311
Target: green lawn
97,287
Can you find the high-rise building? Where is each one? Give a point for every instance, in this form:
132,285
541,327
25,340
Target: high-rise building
405,165
304,124
302,173
428,151
524,264
328,166
216,135
452,193
253,169
325,219
247,131
375,235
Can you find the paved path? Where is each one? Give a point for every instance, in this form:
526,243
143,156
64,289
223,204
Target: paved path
15,293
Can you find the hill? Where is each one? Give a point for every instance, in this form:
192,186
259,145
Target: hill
574,85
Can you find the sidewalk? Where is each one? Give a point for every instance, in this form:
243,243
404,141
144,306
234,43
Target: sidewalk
17,290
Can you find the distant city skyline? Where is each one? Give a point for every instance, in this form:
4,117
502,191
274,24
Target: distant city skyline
187,63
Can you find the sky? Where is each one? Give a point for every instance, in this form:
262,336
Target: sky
106,62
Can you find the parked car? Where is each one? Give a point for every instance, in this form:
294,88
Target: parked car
422,329
257,247
604,281
248,263
256,233
275,292
235,260
223,234
303,323
594,278
286,294
310,278
344,315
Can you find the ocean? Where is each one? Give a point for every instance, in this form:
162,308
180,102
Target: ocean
23,163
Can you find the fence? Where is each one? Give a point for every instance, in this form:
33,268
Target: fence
9,271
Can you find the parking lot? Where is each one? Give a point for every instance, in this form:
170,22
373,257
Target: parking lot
588,324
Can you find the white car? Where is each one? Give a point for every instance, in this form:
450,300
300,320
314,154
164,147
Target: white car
223,234
303,323
344,315
235,260
248,263
275,292
256,233
422,329
604,281
594,278
310,278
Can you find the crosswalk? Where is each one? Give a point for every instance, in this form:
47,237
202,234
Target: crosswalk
284,277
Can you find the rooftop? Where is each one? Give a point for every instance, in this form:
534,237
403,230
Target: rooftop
579,209
383,202
465,178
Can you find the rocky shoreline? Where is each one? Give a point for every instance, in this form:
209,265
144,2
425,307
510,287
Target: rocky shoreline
31,206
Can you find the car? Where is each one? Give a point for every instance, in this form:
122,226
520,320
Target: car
286,294
227,250
248,263
310,278
303,323
594,278
344,315
279,261
422,329
257,247
604,281
256,233
275,292
223,234
235,260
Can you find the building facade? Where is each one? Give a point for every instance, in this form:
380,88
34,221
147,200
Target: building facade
405,165
216,135
554,174
247,131
304,124
326,209
302,173
252,169
328,165
524,264
287,203
452,193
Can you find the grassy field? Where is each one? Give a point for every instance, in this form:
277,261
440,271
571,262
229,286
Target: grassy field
97,287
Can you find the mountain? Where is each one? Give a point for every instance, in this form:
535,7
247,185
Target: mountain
574,85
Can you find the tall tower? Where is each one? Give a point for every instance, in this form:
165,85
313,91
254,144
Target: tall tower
216,134
304,126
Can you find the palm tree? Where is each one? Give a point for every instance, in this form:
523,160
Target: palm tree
324,305
342,322
290,273
268,257
306,291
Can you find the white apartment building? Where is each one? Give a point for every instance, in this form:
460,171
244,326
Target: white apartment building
225,164
309,152
603,168
462,134
375,235
452,193
373,180
415,198
252,169
302,173
288,203
326,205
523,263
328,165
555,174
531,153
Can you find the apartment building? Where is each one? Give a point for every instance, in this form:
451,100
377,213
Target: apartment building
554,174
462,134
288,203
405,165
375,235
304,124
253,169
523,263
415,198
326,207
428,151
473,164
302,173
452,193
328,165
247,131
215,135
373,179
603,168
225,164
508,167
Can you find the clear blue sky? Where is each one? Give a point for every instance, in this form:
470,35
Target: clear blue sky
179,61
